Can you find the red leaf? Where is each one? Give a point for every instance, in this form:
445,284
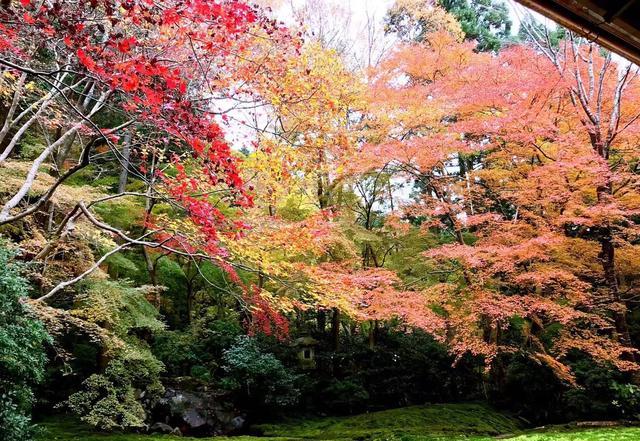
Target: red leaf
85,59
28,19
124,46
130,83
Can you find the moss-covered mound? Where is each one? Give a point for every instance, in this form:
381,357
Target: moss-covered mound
432,420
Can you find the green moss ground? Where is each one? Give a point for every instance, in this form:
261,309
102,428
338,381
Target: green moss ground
471,422
435,420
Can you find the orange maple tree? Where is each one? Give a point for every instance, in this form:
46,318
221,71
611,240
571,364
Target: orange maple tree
528,161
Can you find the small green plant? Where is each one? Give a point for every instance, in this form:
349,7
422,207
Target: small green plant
31,146
346,395
196,351
627,399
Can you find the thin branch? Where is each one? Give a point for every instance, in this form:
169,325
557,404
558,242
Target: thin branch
91,269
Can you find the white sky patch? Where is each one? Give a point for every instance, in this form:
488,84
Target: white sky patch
350,22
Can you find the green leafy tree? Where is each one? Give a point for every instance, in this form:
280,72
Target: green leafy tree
486,21
22,354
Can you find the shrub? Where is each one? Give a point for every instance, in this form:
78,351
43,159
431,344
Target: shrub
533,391
31,146
178,351
22,355
604,392
215,335
116,399
117,306
346,396
259,379
123,214
626,399
402,369
197,350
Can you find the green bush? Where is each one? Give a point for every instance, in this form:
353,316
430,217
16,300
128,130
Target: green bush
31,147
402,369
201,373
259,379
178,350
196,351
125,214
117,306
604,392
116,399
120,267
532,390
216,335
346,396
22,354
626,399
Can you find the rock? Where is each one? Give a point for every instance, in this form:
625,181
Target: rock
197,410
160,428
598,423
238,423
193,417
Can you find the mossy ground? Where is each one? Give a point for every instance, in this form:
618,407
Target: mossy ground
434,420
471,422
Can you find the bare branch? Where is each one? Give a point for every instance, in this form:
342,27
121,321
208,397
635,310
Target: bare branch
614,120
91,269
8,120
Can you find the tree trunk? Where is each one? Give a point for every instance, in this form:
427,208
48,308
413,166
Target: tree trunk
33,171
607,258
373,326
335,329
149,203
51,217
190,299
321,321
62,153
126,153
151,268
8,116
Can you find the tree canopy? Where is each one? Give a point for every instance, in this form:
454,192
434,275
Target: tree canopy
196,189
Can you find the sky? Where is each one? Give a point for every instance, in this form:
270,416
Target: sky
378,8
360,11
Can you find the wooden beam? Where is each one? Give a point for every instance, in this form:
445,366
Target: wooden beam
617,10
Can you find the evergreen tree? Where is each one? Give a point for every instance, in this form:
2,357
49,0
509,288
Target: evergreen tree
22,356
486,21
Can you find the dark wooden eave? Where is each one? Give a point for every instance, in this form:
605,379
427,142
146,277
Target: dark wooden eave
614,24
